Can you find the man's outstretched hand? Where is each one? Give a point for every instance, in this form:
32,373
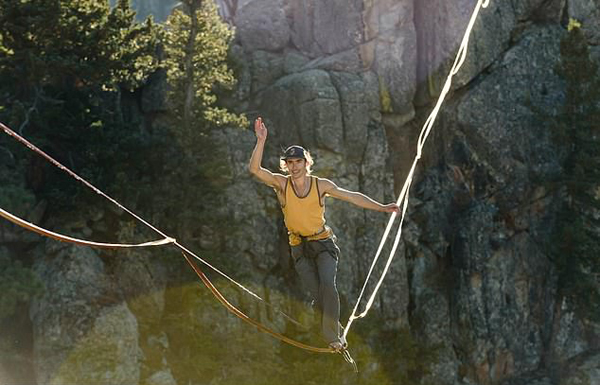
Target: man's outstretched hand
391,208
260,129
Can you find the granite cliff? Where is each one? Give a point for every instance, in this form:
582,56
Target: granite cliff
353,81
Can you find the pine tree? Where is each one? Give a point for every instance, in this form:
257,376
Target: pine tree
63,67
66,44
196,47
61,57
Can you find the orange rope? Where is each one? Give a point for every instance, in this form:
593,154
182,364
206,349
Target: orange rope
244,317
33,148
59,237
166,240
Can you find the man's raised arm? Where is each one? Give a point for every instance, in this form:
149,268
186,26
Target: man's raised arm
255,165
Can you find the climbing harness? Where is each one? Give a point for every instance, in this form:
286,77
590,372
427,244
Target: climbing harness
189,255
295,239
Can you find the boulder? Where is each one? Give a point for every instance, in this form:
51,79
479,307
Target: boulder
82,331
294,61
495,116
314,117
568,341
359,102
347,61
142,284
266,69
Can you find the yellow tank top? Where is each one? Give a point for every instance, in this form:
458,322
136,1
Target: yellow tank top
304,216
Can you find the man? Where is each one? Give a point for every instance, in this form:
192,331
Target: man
312,243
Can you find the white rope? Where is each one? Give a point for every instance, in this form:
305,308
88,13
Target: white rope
404,194
167,239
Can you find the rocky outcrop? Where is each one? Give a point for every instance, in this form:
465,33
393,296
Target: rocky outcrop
82,332
481,287
500,296
262,25
442,26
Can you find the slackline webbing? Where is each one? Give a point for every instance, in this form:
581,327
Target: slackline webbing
404,193
167,240
60,237
244,317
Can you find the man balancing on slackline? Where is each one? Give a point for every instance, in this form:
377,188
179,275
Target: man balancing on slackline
312,243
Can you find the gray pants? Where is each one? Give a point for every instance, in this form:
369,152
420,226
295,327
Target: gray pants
316,264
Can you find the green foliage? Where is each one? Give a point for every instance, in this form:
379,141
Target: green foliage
209,345
14,195
196,48
74,45
17,284
577,131
64,66
68,74
66,69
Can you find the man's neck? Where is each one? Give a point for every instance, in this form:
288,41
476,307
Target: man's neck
300,180
300,184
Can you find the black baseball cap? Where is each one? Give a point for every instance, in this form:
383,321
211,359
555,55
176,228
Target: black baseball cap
294,151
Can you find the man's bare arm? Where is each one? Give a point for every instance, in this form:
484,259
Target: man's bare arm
356,198
255,166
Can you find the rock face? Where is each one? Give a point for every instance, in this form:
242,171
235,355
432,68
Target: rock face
352,82
441,29
480,284
262,25
82,333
